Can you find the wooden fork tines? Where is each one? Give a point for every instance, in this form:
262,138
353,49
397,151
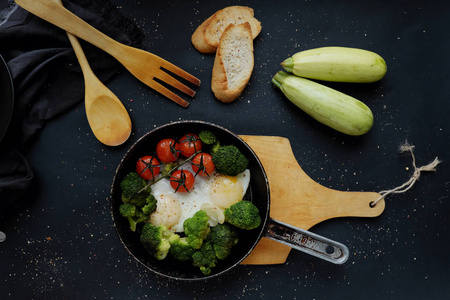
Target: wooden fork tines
158,73
154,71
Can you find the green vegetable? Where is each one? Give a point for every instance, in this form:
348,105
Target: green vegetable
214,148
243,214
223,237
156,240
168,168
150,205
131,186
205,258
328,106
229,160
209,140
197,229
136,214
127,210
133,214
338,64
207,137
138,204
180,248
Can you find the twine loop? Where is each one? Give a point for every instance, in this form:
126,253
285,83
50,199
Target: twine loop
406,147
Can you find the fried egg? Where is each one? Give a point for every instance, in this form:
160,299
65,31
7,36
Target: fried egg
212,194
168,210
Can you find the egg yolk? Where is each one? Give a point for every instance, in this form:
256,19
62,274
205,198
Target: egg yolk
225,191
168,212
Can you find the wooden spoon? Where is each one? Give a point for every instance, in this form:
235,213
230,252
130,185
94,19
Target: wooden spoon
108,118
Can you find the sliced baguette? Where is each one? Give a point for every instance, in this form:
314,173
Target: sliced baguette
207,36
234,62
198,38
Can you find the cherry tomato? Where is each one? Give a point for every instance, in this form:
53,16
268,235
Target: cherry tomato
189,144
182,181
148,167
167,150
202,164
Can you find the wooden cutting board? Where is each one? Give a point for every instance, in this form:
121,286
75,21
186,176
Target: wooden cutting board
303,204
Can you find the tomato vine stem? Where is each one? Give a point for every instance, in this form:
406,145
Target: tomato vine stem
152,182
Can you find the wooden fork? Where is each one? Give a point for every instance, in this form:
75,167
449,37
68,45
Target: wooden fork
147,67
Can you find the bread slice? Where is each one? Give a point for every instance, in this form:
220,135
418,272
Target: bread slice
198,38
230,15
234,62
207,36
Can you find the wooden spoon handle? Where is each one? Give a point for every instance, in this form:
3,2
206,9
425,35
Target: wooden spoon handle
89,76
58,15
87,71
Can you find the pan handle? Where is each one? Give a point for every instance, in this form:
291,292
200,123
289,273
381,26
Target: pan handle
307,242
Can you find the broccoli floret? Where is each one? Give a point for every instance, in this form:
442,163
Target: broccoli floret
207,137
180,248
155,240
205,258
165,170
127,210
136,214
243,214
223,237
131,185
214,148
150,205
197,229
229,160
140,217
210,140
130,212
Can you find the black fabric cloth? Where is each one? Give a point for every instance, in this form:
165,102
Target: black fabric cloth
47,77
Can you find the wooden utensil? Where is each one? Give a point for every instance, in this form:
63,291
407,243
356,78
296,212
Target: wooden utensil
145,66
108,118
298,200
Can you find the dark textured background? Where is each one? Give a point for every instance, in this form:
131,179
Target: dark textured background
61,244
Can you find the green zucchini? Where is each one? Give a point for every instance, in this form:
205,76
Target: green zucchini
339,64
328,106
